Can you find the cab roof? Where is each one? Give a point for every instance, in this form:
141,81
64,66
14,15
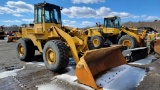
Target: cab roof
46,4
110,16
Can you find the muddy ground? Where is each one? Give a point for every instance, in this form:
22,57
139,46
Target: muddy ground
33,74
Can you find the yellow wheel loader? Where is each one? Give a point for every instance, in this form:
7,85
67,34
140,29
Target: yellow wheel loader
14,38
17,35
57,43
112,33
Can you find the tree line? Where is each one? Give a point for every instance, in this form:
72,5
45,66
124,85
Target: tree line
12,27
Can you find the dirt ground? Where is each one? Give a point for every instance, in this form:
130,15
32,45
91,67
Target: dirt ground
28,78
33,75
152,79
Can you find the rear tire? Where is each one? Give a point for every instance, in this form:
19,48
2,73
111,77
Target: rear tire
130,39
25,49
97,41
56,55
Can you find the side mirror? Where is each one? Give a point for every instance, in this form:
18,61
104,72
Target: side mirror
61,8
98,24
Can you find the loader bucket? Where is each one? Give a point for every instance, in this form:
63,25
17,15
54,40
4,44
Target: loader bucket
96,62
12,39
135,54
157,46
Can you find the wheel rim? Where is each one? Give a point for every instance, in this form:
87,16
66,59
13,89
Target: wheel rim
20,50
95,42
51,56
126,43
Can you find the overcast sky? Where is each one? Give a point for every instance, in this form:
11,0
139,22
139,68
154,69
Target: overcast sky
82,13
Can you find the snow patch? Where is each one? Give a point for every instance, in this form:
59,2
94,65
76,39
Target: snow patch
49,87
124,77
37,63
6,38
151,68
144,61
10,73
68,77
71,78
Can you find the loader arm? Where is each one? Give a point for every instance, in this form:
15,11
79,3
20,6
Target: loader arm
92,32
69,41
144,34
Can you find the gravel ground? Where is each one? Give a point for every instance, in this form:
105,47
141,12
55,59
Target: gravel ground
33,75
152,79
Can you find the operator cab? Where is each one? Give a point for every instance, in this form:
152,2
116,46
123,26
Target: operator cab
112,22
45,16
112,25
50,12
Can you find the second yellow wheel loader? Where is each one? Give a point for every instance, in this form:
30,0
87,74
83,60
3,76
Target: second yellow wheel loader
57,43
14,38
113,33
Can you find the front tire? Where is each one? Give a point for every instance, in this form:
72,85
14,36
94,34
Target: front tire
97,41
25,49
128,41
56,55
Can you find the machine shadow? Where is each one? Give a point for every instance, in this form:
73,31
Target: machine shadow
38,58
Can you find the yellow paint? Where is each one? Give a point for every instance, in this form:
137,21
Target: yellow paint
51,56
95,42
76,40
20,50
126,43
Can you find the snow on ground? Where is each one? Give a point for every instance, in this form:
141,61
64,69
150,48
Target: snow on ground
6,38
68,77
124,77
71,62
10,73
1,41
144,61
36,63
48,87
71,78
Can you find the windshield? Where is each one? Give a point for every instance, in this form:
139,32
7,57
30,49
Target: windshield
112,22
52,15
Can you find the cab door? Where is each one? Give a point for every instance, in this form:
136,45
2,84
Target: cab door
38,26
108,26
